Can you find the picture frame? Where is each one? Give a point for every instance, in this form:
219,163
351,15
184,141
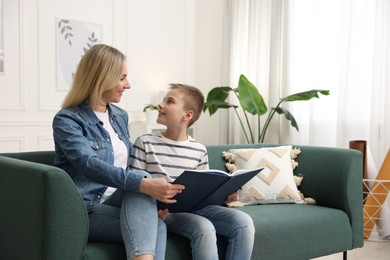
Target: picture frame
74,38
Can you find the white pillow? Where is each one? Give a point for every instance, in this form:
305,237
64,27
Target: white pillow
274,184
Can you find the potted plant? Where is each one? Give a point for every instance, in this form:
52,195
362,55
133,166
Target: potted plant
151,113
253,103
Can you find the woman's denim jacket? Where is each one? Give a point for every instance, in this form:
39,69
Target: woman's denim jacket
84,150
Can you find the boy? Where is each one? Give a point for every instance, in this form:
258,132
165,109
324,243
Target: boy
168,154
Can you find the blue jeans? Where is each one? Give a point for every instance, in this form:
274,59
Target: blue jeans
129,217
201,227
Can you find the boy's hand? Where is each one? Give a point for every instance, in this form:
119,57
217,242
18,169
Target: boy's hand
232,197
162,213
160,189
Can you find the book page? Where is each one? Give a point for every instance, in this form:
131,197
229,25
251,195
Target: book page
238,172
210,171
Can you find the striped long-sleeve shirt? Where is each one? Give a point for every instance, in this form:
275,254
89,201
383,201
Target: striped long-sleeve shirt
163,157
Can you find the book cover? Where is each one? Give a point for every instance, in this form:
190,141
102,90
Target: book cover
206,187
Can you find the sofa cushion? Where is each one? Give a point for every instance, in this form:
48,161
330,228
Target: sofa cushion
291,231
275,184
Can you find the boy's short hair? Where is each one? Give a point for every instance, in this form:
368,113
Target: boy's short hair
194,99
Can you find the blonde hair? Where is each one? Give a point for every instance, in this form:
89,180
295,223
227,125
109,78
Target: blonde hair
194,99
99,70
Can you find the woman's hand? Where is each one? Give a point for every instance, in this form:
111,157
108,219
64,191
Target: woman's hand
160,189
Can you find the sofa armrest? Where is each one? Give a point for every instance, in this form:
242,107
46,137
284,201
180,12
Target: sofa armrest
43,216
334,178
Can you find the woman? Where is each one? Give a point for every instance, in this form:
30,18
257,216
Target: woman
92,145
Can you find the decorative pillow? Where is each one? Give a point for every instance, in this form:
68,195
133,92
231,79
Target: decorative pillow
274,184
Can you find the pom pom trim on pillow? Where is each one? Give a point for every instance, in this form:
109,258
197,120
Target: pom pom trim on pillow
276,183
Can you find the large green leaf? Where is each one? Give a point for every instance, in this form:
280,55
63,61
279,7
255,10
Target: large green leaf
250,98
252,102
216,99
214,105
307,95
288,116
219,93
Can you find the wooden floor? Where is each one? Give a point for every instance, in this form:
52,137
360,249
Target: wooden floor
372,250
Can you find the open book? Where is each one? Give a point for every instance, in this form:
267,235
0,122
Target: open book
207,187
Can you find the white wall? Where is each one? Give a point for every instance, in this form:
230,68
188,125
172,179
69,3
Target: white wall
211,67
165,41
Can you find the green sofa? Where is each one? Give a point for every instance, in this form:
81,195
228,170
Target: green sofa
43,216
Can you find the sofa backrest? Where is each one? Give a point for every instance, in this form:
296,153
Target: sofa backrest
44,157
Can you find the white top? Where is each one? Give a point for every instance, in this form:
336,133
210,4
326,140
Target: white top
119,147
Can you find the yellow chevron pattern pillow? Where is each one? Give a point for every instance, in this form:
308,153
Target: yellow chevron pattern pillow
274,184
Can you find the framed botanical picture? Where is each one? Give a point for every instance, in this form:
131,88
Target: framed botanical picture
74,38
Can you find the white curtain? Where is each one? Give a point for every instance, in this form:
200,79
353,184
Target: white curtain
255,50
290,46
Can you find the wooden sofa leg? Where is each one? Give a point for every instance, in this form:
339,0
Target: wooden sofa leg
345,255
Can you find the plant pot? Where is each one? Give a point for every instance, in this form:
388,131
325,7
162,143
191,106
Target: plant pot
151,116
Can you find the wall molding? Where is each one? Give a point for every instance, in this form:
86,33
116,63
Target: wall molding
24,122
17,142
45,142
